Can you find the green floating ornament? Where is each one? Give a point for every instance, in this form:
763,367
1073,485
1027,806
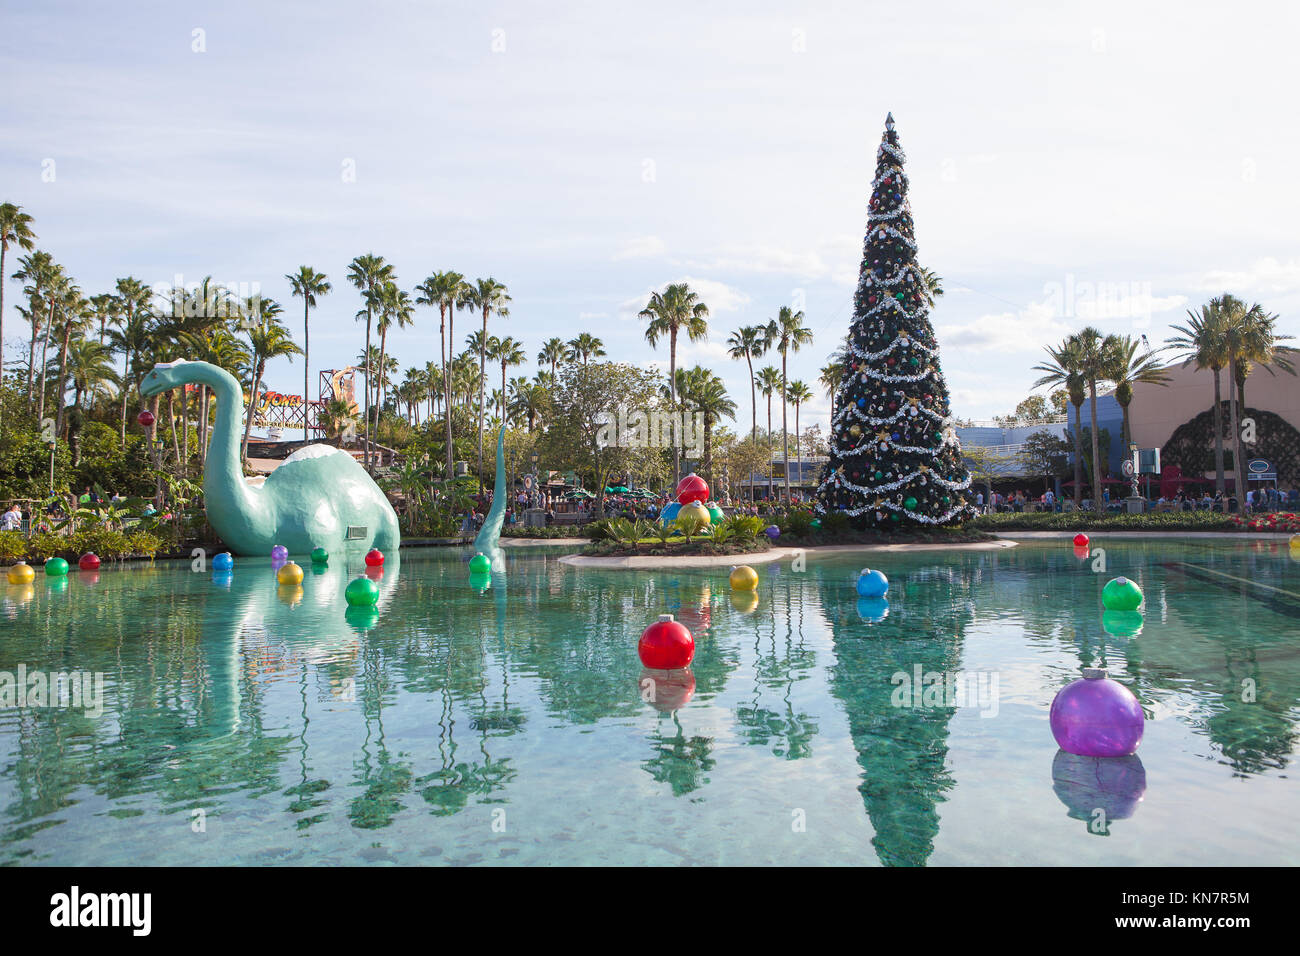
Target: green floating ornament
320,556
362,592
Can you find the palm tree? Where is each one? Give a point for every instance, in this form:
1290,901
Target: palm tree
133,298
45,283
337,419
749,342
76,314
796,393
105,309
367,273
931,286
676,309
90,365
1202,341
1249,336
1096,353
832,373
267,339
447,291
1129,368
508,352
704,393
552,353
490,296
1063,369
769,381
787,334
15,227
528,400
394,306
307,283
584,348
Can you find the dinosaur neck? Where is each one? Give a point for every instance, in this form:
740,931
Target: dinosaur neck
223,475
489,535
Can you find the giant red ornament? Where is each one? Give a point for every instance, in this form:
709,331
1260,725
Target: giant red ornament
1080,540
692,488
89,561
374,558
145,418
666,645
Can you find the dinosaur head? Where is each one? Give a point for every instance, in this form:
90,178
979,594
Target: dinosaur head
163,377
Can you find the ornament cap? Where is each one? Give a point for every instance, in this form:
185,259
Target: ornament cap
1094,673
664,618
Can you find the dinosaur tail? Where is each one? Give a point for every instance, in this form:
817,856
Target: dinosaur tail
489,535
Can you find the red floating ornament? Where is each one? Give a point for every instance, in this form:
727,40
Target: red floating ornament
666,645
374,558
692,488
89,561
1080,540
145,418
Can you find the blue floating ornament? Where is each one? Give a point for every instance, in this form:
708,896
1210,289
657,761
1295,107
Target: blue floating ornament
223,562
872,584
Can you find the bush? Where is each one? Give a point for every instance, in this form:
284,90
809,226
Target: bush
796,521
144,543
12,546
1088,521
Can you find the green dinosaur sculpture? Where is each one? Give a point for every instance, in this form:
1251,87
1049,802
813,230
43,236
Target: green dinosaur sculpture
319,496
488,539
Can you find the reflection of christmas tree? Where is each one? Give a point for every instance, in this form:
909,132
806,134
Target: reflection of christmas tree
902,750
893,454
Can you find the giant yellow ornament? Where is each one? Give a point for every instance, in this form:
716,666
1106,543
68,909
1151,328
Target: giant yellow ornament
693,517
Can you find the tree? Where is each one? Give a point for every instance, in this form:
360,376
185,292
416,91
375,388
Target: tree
749,342
585,428
676,309
583,348
552,353
1249,336
769,384
447,291
267,339
1202,342
1126,369
1063,368
367,273
703,393
490,296
506,351
394,307
1032,409
1096,359
1044,454
786,333
796,393
15,228
308,284
893,454
134,299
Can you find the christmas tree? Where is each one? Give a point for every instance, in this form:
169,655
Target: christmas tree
894,457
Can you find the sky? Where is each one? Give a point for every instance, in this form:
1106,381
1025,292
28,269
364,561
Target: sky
1078,163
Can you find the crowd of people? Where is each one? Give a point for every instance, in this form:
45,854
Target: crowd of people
1257,500
44,515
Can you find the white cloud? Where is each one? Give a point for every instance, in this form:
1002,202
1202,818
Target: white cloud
642,247
1266,275
718,296
1026,330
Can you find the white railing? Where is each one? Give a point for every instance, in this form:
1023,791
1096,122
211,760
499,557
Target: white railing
993,423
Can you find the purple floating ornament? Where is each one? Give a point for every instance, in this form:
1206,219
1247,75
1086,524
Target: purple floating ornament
1097,717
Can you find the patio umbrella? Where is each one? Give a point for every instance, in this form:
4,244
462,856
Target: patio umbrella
616,490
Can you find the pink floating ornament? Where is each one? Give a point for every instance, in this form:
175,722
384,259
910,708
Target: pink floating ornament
1097,717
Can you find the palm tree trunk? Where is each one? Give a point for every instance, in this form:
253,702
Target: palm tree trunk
31,360
382,383
45,343
785,437
753,407
367,397
1078,456
446,390
1218,434
1096,447
171,417
672,392
63,372
126,394
306,371
4,248
1234,413
482,387
252,404
769,447
185,431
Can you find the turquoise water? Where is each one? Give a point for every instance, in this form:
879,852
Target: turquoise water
243,723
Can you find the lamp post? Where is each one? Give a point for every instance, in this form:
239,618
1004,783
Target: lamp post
532,460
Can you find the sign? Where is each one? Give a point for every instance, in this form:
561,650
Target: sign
1128,469
1261,470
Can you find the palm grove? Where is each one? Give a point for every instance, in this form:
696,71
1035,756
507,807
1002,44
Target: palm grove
71,391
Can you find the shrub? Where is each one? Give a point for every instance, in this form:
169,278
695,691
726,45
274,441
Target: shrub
12,546
796,521
145,543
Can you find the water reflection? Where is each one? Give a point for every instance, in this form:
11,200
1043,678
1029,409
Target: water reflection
226,686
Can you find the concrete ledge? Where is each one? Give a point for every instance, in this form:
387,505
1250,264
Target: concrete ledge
539,542
1069,535
766,557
